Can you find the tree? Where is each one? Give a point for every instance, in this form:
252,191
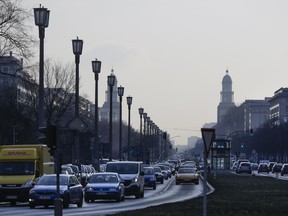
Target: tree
14,32
60,83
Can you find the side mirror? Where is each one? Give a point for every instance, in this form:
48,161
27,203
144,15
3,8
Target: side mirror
142,173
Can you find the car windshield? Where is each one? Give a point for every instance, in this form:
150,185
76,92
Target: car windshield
149,171
16,168
187,170
51,180
122,168
103,178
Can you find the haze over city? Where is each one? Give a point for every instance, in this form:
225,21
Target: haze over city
171,56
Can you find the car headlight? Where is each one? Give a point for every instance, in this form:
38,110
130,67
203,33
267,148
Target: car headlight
89,189
134,180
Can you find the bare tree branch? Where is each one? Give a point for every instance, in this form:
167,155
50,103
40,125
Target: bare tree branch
14,33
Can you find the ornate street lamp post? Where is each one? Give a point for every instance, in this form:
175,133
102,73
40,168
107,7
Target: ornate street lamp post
141,111
41,17
96,67
129,103
120,94
77,46
111,82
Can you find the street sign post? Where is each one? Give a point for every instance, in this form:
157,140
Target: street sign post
208,135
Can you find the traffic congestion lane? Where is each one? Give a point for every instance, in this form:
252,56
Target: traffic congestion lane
165,193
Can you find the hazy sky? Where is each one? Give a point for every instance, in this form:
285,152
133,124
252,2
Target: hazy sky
171,55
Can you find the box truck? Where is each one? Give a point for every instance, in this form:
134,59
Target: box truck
20,167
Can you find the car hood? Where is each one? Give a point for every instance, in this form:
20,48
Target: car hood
48,187
102,185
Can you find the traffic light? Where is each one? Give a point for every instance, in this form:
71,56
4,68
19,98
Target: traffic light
48,136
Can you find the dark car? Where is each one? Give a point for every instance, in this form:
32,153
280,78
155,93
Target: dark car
149,177
284,169
277,168
45,192
159,175
263,167
270,165
104,185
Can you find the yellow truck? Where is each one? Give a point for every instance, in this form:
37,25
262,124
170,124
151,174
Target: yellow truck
20,167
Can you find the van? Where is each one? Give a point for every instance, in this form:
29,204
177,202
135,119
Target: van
132,174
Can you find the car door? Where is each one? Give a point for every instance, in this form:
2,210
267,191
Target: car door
75,188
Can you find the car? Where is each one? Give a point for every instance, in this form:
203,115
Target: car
104,185
239,161
284,169
149,177
164,171
132,173
244,167
270,165
187,175
45,191
277,168
263,167
159,175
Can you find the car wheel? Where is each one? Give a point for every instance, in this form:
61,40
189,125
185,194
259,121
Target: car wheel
80,203
162,181
154,186
66,201
119,198
177,183
31,205
142,193
123,198
137,195
197,183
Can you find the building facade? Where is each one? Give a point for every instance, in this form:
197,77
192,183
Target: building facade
256,113
278,113
226,97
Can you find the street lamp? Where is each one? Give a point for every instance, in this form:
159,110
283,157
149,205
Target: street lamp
120,94
111,82
129,102
41,17
77,45
145,118
96,67
141,111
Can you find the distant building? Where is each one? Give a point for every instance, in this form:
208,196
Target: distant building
226,97
105,109
279,107
256,113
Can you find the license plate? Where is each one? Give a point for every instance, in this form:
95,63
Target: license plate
44,197
101,193
11,197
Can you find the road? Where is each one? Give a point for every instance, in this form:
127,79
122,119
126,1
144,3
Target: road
165,193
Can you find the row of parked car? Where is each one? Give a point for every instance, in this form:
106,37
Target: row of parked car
244,166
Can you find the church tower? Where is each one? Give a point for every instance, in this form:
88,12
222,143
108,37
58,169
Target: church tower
104,110
226,97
